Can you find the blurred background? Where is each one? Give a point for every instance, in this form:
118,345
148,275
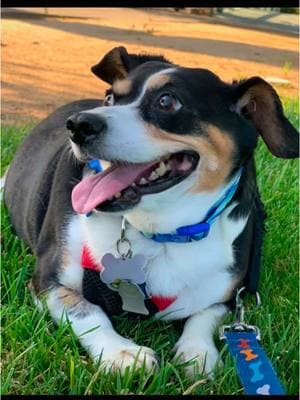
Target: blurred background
47,52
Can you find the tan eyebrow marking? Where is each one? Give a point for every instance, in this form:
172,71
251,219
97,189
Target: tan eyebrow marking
122,87
156,82
216,150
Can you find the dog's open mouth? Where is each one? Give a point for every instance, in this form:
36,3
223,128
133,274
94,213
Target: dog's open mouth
122,185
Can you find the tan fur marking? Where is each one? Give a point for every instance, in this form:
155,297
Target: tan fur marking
216,150
68,297
122,87
73,302
65,257
126,353
156,82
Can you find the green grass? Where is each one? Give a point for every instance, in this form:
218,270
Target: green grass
41,358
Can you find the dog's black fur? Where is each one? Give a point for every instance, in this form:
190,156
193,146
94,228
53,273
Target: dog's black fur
43,173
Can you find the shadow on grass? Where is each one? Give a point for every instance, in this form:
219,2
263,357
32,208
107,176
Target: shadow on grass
212,47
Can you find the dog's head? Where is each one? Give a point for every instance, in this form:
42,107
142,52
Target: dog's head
164,127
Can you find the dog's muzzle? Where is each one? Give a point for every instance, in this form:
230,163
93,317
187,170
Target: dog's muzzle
85,127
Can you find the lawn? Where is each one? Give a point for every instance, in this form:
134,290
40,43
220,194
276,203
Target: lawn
41,358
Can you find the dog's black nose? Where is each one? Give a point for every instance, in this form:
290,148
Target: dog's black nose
85,126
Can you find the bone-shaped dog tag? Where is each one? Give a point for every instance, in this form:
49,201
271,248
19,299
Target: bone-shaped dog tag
130,269
132,298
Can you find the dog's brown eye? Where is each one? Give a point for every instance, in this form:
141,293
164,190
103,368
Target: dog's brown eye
168,102
109,100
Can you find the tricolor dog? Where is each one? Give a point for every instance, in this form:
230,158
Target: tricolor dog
147,202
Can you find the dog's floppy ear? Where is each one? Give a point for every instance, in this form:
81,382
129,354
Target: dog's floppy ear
112,66
117,63
256,100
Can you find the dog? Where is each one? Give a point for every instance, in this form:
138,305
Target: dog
168,223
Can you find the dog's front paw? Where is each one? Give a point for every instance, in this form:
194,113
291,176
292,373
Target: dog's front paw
125,353
203,356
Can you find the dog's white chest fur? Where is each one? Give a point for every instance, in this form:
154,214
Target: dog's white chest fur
196,273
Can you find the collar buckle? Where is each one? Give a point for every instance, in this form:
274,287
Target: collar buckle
203,231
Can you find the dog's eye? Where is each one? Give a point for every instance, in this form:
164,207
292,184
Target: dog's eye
109,100
169,102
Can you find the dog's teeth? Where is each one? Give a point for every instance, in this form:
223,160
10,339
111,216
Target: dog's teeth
186,164
162,169
118,195
153,176
133,184
143,181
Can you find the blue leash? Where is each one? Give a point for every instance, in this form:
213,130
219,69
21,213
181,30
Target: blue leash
254,368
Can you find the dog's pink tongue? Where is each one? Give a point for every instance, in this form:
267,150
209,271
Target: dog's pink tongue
96,189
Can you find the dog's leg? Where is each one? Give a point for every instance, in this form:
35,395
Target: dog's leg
196,341
95,331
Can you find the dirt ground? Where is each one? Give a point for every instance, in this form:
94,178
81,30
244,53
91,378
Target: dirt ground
46,60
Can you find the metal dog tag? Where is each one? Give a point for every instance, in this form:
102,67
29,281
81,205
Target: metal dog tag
130,269
124,274
132,298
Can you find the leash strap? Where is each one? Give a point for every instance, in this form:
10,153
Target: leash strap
254,368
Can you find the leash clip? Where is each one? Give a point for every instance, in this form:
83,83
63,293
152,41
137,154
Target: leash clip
239,324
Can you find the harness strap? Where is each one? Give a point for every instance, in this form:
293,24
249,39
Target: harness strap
88,261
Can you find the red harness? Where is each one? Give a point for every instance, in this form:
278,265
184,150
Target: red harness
88,262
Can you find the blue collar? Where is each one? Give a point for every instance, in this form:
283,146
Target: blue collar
191,233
